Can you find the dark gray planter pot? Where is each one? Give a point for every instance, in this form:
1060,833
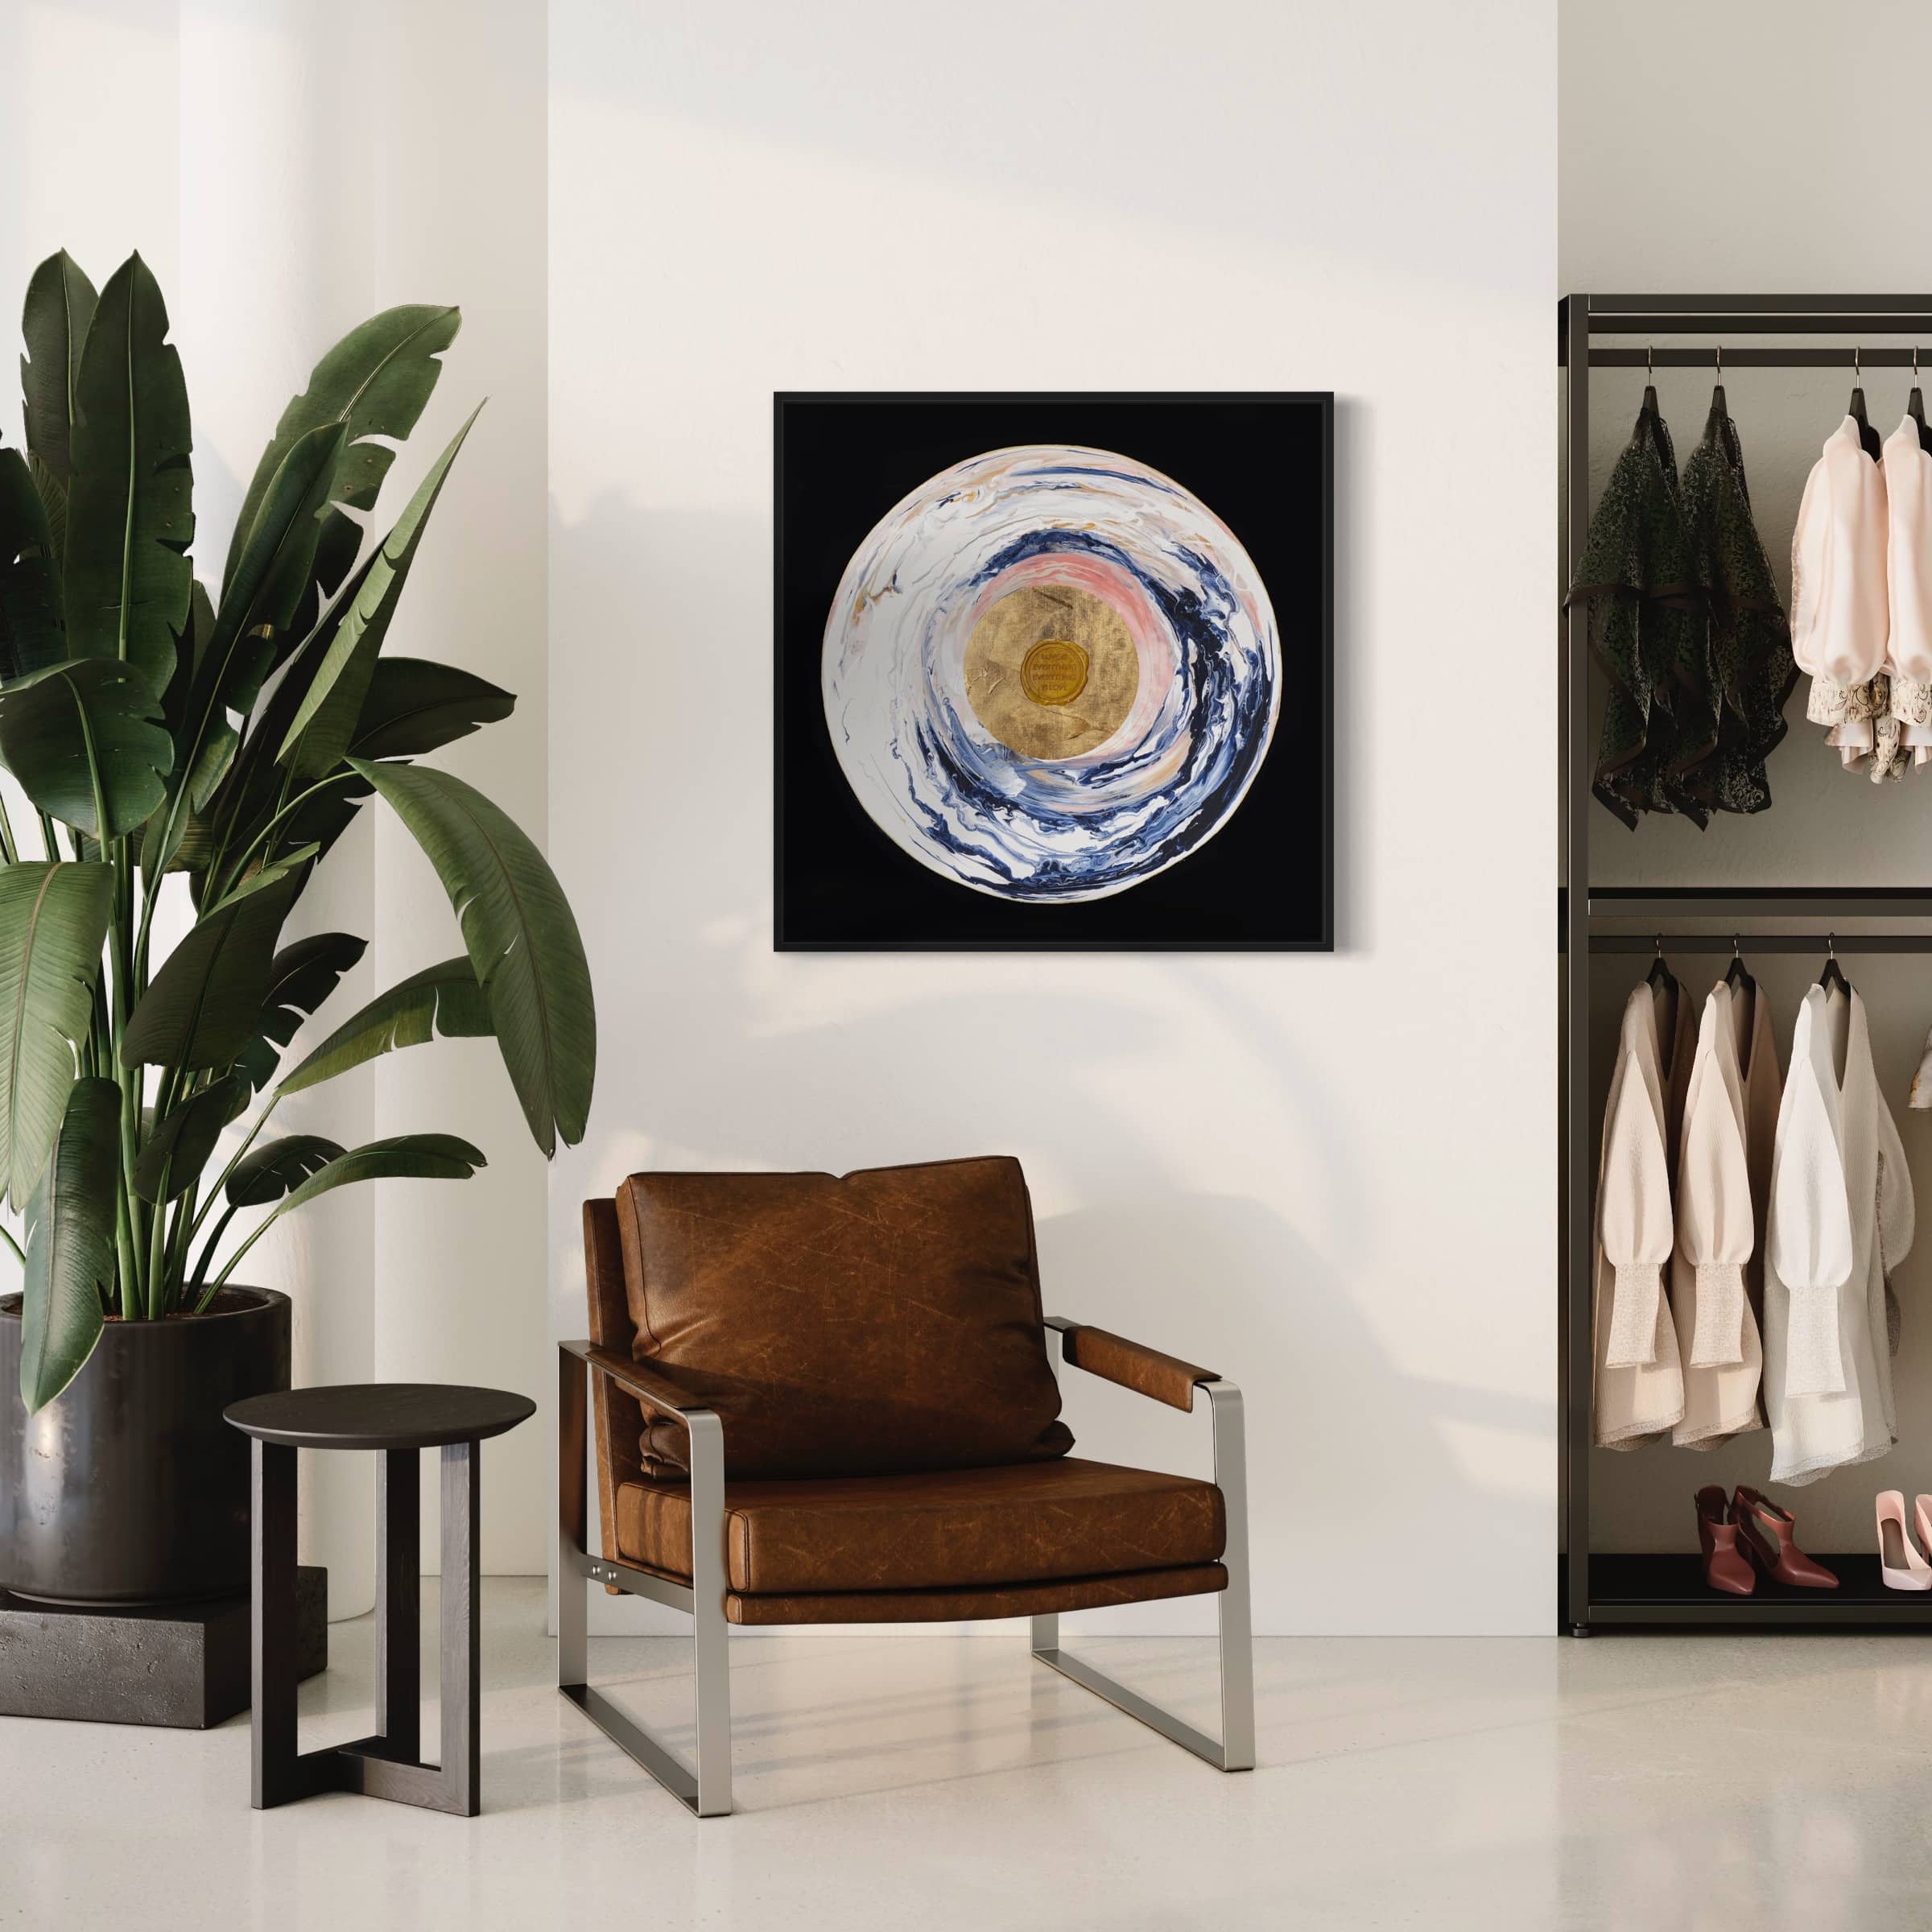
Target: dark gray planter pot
129,1487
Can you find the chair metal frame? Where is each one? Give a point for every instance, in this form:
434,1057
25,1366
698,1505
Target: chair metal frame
1234,1751
707,1791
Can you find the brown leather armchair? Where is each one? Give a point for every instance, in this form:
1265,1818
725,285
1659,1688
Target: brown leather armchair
821,1400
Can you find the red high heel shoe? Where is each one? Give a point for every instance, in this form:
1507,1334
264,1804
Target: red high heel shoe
1764,1533
1725,1567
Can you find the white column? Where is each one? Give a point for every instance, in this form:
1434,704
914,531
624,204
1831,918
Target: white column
277,261
461,115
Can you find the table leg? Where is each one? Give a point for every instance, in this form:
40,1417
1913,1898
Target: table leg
399,1604
462,1628
271,1634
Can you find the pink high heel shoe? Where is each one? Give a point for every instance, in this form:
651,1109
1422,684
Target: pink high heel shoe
1900,1565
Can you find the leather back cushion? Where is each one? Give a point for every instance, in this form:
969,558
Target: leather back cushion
872,1325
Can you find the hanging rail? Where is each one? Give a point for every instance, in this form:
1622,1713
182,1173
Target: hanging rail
1761,942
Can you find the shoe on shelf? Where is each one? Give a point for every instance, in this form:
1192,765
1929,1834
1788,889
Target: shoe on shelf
1765,1533
1921,1517
1725,1565
1900,1565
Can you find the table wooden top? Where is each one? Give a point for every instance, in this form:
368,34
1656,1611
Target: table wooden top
380,1415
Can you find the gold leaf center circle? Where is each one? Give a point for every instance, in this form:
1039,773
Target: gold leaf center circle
1051,670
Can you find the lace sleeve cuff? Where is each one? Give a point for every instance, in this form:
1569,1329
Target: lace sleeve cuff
1812,1366
1719,1335
1635,1298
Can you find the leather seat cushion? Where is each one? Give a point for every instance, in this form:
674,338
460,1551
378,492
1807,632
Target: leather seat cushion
943,1529
963,1606
886,1321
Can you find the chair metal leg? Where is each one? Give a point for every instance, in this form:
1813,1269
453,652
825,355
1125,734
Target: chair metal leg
708,1792
1235,1749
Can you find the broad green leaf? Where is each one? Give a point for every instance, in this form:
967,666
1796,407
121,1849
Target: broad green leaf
521,936
247,638
70,1243
53,498
178,1147
131,513
187,661
205,1005
433,1157
30,633
54,916
326,721
89,723
416,705
302,977
266,1174
444,999
374,382
60,306
436,1157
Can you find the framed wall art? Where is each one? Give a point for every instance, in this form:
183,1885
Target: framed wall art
1055,670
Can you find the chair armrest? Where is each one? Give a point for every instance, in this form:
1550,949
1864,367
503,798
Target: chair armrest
656,1393
1131,1364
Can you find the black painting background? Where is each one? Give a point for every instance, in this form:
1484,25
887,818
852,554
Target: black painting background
1260,464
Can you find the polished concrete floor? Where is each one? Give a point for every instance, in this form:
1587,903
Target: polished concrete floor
936,1782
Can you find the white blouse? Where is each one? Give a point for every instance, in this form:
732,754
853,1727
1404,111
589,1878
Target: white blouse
1839,615
1723,1182
1909,585
1841,1219
1639,1387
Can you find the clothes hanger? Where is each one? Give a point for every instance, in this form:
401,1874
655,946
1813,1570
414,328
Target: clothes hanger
1831,977
1737,975
1649,407
1915,405
1718,406
1660,979
1867,436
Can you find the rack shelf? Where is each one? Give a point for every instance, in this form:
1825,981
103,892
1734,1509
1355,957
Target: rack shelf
1607,1589
1664,1591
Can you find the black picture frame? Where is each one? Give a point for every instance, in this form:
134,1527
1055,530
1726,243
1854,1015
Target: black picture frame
1264,462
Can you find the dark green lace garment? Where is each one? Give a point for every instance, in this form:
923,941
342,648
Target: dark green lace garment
1635,575
1750,642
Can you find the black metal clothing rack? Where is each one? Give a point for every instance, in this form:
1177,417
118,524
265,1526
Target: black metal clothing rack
1603,1591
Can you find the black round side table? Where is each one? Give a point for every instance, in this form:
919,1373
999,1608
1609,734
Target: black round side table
398,1419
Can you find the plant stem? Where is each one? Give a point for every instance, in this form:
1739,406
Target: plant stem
248,1141
129,1225
157,1252
177,1239
126,1274
6,1235
241,865
228,1267
208,1253
6,836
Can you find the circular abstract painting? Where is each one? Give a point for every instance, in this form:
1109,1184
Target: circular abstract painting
1050,673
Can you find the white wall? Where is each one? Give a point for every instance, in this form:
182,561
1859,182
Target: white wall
1722,166
1331,1177
288,168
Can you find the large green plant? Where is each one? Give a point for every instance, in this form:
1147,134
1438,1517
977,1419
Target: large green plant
156,729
